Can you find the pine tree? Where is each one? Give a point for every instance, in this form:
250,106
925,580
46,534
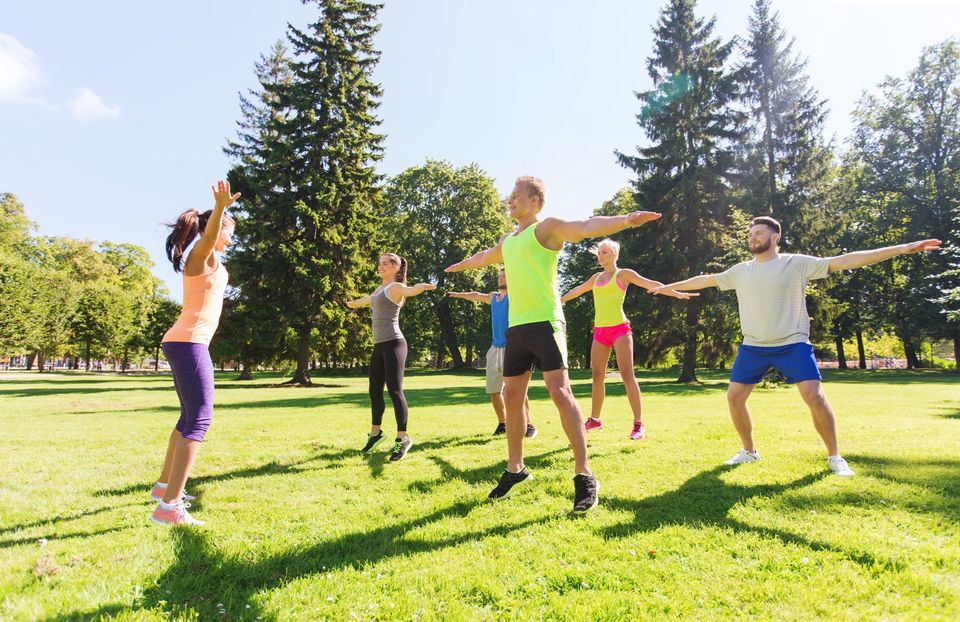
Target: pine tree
690,119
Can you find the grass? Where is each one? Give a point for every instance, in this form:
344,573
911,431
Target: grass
302,527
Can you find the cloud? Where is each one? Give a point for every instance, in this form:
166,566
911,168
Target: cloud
19,71
88,106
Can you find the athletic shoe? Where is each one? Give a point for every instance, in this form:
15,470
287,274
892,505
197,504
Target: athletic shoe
372,441
177,515
839,466
157,494
400,448
592,424
501,429
585,488
743,456
638,432
508,480
531,431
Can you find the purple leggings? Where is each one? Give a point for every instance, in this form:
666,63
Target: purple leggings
193,378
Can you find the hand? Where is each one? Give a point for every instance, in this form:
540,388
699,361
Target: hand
457,267
352,304
455,294
680,295
221,194
428,287
635,219
921,246
662,289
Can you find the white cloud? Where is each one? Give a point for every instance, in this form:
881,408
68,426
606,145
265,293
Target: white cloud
88,106
19,71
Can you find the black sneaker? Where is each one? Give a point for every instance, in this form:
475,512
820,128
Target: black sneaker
508,480
372,441
400,448
585,488
531,431
501,429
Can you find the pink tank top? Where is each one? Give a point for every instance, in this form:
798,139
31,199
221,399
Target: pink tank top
202,304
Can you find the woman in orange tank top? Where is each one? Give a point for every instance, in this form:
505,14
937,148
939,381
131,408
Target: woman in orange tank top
185,346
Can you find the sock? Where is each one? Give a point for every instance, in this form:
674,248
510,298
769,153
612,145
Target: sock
522,467
836,457
585,474
161,485
168,506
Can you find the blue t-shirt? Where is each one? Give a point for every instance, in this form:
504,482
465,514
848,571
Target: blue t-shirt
499,320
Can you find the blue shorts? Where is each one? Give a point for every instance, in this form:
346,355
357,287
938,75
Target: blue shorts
795,361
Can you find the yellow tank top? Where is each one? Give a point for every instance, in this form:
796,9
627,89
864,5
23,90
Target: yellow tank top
531,279
202,304
608,303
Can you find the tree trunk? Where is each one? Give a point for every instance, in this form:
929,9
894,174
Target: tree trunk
911,354
860,351
156,359
469,359
88,356
123,365
841,355
41,361
302,375
246,372
956,350
448,332
689,371
32,359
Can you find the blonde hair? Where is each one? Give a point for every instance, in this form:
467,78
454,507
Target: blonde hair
401,263
607,243
534,186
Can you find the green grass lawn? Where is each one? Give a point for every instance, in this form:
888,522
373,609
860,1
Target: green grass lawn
300,526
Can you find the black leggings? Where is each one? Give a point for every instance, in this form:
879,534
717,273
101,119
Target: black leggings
386,367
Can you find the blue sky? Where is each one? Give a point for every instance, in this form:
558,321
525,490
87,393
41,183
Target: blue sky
113,114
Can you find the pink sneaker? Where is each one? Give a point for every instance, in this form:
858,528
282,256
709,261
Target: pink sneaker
638,432
592,424
177,515
157,494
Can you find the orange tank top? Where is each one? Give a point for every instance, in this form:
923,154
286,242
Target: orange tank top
202,304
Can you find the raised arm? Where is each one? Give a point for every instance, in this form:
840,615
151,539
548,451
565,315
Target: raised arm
553,232
482,259
472,296
581,289
400,291
359,302
221,200
697,282
633,278
858,259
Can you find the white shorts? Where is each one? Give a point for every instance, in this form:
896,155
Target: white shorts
495,370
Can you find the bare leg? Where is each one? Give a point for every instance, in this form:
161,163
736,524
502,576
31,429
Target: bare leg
624,349
599,355
498,407
558,384
823,418
737,396
184,455
514,396
168,459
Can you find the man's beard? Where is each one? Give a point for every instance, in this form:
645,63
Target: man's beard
760,248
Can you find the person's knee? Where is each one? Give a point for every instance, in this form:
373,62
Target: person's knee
598,372
560,392
736,397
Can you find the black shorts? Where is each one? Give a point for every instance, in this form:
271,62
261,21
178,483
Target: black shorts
543,343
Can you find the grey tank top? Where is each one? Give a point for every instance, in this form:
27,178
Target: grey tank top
386,317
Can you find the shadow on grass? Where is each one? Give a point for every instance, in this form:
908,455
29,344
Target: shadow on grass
55,537
60,518
203,578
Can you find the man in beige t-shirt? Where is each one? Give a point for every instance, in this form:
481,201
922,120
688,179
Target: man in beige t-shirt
771,295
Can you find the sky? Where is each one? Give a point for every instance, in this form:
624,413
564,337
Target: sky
113,114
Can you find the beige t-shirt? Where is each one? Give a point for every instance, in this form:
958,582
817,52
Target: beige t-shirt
772,297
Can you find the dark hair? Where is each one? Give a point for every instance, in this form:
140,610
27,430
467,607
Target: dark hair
189,225
766,220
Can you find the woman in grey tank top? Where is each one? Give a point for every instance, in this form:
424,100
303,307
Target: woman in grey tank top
389,349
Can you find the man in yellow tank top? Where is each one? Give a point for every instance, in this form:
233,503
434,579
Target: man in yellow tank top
537,332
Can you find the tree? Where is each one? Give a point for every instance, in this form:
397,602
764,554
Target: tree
434,214
161,315
692,124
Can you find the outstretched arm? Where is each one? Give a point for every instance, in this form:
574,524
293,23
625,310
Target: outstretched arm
580,290
222,199
858,259
484,258
698,282
633,278
471,296
553,232
359,302
400,291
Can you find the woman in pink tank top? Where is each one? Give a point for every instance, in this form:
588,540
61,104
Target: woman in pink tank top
185,346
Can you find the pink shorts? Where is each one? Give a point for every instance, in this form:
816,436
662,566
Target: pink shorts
606,335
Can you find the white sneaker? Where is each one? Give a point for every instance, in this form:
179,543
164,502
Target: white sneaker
743,456
839,466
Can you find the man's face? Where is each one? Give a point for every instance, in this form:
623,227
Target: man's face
761,238
522,202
